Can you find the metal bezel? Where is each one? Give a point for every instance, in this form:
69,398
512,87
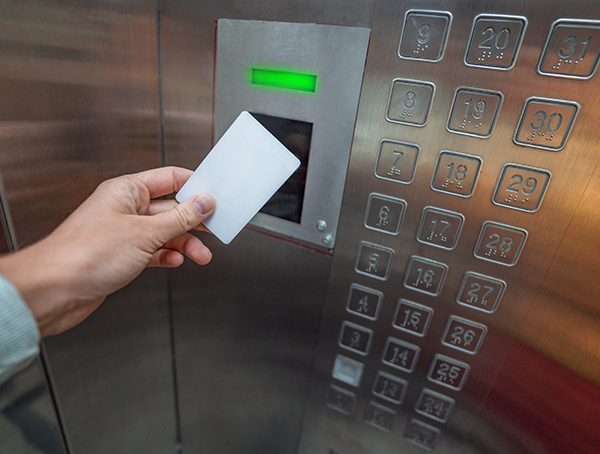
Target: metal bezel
445,212
454,362
475,90
366,290
468,156
422,259
392,378
401,202
427,111
449,400
488,278
409,346
448,14
414,167
418,306
575,22
529,168
356,327
466,322
517,47
547,100
507,227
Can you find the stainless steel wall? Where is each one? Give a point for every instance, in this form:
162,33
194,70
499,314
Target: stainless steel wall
80,103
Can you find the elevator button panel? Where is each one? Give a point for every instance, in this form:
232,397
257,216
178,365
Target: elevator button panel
495,41
572,50
397,161
384,214
410,102
456,173
440,228
521,188
474,112
424,35
546,123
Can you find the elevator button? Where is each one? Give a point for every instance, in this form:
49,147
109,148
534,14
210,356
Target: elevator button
456,173
434,405
390,388
347,370
480,292
380,417
397,161
448,372
384,214
425,276
545,123
474,112
500,243
495,41
373,260
521,188
356,338
421,434
572,49
410,102
364,301
341,400
412,318
424,35
440,228
400,354
463,335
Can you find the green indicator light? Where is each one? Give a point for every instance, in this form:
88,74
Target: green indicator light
287,80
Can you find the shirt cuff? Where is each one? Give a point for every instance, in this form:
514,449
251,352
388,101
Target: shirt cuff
19,333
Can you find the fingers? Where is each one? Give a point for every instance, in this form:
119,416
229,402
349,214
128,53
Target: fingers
160,206
164,180
179,220
171,255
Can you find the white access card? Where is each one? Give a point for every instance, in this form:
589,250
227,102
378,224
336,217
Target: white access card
242,172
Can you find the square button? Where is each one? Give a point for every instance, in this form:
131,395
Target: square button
421,434
397,161
412,317
500,243
347,370
572,50
521,188
440,228
434,405
424,35
546,123
410,102
356,338
425,276
373,260
474,112
390,387
400,354
341,400
448,372
463,335
384,214
456,173
380,417
495,41
364,301
480,292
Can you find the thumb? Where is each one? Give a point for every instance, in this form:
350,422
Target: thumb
183,218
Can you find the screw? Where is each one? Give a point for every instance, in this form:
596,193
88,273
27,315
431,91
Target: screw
321,226
327,240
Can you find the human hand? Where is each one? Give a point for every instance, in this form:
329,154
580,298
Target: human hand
106,243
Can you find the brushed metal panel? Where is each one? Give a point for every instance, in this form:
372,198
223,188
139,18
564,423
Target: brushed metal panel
80,103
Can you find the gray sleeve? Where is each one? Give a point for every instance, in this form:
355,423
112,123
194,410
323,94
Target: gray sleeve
19,333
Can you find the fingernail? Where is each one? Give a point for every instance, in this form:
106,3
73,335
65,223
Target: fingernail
204,203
